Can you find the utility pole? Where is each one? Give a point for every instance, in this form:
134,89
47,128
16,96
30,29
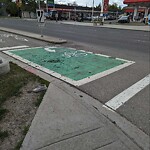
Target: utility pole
102,11
47,6
93,11
102,8
39,4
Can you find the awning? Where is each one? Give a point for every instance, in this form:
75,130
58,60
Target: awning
136,1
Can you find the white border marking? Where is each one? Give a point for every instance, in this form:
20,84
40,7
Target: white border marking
103,74
73,82
22,49
14,47
103,55
124,96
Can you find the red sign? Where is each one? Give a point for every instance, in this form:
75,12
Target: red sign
136,1
105,6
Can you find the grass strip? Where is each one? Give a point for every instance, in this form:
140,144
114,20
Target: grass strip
12,82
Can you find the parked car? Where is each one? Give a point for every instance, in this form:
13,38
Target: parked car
87,18
47,15
124,19
110,17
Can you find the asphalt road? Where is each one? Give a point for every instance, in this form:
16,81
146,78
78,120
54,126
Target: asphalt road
122,40
126,44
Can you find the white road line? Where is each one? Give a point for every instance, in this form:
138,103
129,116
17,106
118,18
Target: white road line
14,47
123,97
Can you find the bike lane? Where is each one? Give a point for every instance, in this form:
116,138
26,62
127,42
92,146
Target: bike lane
76,67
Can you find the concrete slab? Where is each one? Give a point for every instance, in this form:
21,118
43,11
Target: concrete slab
59,117
88,141
65,122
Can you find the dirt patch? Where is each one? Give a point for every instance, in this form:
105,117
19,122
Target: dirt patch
21,111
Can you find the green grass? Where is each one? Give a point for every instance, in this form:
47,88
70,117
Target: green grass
25,130
19,144
2,112
3,135
12,82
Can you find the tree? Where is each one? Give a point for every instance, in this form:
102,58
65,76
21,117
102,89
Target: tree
114,8
29,5
3,5
74,3
98,6
12,9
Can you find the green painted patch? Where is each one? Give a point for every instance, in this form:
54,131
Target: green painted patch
74,64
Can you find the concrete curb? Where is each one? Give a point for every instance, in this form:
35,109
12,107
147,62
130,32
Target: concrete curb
120,27
34,36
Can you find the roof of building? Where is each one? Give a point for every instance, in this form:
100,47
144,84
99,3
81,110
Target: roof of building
136,1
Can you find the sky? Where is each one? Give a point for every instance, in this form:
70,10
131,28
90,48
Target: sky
89,2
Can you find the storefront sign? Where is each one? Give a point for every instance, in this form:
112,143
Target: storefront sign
105,7
50,2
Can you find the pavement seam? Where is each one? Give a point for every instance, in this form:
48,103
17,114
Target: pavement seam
104,145
69,136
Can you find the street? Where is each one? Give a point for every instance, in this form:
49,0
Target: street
125,44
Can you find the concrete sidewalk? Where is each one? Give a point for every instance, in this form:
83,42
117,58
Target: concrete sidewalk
125,27
65,122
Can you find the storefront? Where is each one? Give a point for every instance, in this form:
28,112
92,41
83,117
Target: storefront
139,8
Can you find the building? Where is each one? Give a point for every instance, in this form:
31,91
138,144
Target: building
139,8
70,12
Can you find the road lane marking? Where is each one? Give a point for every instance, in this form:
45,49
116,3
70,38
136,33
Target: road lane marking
14,36
14,47
127,94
